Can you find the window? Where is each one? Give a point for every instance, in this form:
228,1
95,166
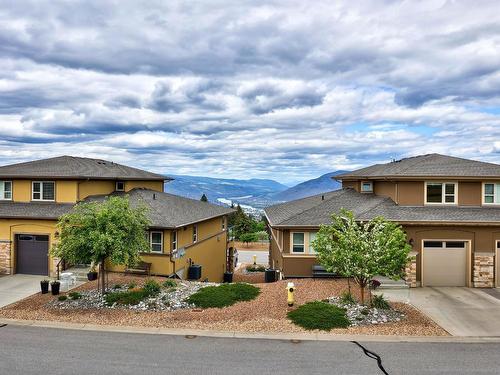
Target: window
298,243
195,233
312,237
156,241
120,186
5,190
491,193
43,191
441,193
367,187
174,240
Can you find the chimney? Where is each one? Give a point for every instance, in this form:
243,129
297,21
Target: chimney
322,197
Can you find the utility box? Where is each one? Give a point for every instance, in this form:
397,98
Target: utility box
271,275
194,272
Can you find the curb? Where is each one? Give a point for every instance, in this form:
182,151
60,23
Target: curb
247,335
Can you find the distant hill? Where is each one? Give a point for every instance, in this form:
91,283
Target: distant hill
220,189
311,187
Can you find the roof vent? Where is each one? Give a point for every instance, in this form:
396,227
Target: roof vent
154,196
322,197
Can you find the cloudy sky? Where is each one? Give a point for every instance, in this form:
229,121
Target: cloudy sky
240,89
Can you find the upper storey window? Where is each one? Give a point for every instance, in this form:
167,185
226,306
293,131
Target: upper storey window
5,190
441,192
367,187
491,193
43,191
120,186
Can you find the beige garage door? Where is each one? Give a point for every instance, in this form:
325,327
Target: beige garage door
445,263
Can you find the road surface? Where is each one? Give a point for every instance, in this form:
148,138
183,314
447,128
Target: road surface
34,350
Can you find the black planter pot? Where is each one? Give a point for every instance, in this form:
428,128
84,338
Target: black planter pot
55,288
92,276
228,277
44,285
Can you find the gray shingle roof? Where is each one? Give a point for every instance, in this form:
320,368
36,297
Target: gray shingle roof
76,167
33,210
314,211
168,210
432,165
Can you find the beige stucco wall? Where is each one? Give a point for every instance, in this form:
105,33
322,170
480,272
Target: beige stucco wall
410,193
385,189
469,193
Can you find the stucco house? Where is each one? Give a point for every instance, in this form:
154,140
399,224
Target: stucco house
35,194
448,206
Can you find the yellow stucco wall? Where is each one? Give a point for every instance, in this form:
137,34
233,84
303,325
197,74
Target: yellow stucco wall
21,190
66,191
10,227
94,187
153,185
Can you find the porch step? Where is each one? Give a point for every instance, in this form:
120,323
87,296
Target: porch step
386,283
79,272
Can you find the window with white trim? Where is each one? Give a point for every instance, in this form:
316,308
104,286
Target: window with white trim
491,193
367,187
195,233
156,242
174,240
43,191
298,244
441,192
120,186
5,190
312,237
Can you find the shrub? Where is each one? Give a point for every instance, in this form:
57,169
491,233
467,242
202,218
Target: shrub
151,287
223,295
75,295
130,297
379,302
347,298
62,298
117,286
255,268
169,284
319,315
131,285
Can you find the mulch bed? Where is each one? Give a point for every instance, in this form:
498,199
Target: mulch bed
267,313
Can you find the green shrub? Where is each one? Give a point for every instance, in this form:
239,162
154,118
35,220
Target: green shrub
223,295
255,268
130,297
169,284
75,295
319,315
347,298
131,285
117,286
151,287
62,298
379,302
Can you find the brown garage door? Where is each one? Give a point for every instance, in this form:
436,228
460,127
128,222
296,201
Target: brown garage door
32,254
445,263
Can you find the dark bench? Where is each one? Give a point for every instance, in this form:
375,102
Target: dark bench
141,268
319,271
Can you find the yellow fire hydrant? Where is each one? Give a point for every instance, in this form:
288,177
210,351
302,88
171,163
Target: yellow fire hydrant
291,299
254,259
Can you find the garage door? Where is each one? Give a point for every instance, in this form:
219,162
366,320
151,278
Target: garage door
32,254
445,263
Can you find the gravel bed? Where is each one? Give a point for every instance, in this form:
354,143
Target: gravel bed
360,315
169,299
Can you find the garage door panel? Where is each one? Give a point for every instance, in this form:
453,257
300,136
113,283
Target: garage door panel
32,254
445,266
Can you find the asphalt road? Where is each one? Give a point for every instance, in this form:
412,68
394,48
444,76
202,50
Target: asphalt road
31,350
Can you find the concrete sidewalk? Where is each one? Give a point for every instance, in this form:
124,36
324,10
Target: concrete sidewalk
460,311
17,287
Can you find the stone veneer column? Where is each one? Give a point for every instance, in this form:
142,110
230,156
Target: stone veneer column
411,270
484,270
5,257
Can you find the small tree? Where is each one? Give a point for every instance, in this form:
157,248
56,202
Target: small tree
204,198
248,237
96,232
362,250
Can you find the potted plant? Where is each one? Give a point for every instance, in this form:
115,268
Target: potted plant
92,274
55,286
44,285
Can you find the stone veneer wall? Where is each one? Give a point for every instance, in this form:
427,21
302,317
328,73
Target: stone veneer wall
5,257
484,270
411,270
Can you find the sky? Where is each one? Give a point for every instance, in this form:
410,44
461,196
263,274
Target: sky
286,90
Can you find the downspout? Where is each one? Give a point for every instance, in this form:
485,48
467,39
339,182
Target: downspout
170,258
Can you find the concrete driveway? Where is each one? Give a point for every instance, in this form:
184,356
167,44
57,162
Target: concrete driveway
460,311
16,287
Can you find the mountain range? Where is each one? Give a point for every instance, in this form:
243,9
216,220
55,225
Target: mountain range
250,194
